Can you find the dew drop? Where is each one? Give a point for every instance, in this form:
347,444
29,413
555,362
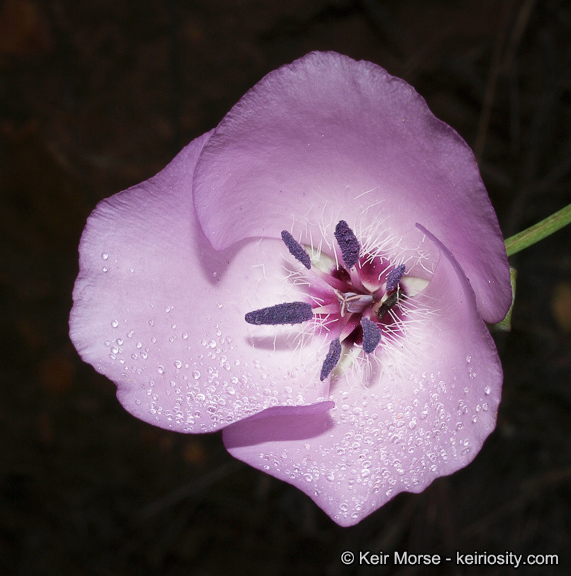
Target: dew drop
196,374
487,390
104,255
160,369
115,323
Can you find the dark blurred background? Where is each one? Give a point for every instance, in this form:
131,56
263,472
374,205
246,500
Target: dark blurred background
98,95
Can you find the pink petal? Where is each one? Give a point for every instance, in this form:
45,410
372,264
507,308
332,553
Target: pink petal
423,411
161,313
328,138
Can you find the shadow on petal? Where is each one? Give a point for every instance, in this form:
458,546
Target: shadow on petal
279,423
280,342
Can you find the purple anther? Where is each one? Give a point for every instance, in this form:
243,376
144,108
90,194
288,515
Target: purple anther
394,277
371,335
287,313
348,243
296,249
331,359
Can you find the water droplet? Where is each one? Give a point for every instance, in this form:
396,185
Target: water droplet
468,358
160,369
178,364
104,255
487,390
196,374
308,477
115,323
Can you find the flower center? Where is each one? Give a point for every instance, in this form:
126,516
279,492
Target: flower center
355,302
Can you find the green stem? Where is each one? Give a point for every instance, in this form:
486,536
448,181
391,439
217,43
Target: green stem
539,231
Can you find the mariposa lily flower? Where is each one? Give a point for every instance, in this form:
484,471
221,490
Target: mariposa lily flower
314,277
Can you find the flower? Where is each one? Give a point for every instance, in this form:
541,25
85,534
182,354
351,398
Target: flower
313,277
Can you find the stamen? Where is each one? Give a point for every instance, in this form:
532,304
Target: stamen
348,243
296,249
331,359
287,313
394,277
371,335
